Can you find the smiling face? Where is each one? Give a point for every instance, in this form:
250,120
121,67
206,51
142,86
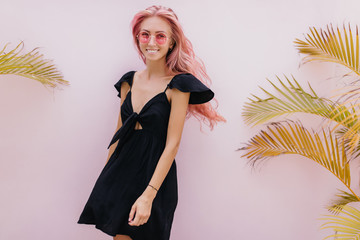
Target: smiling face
158,33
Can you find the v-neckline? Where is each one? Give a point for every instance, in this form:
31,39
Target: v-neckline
148,102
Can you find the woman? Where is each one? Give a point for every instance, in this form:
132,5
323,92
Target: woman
135,195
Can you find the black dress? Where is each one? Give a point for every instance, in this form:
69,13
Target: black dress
131,166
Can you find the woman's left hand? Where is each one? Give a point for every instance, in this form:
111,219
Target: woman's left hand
141,209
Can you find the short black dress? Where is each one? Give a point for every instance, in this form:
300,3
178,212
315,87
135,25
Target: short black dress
133,162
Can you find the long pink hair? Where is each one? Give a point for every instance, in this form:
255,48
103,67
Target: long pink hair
181,59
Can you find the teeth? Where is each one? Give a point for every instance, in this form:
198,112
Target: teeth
151,50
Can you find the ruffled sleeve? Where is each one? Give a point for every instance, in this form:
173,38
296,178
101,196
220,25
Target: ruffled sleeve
186,82
127,77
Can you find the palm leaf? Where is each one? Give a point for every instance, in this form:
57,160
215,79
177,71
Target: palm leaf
346,225
331,46
353,152
293,138
350,135
343,198
30,65
293,99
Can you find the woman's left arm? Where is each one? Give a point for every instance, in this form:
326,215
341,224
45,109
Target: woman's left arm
142,206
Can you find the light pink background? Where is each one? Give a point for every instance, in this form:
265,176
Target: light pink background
53,143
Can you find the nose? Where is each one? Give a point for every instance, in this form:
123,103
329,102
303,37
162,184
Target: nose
152,40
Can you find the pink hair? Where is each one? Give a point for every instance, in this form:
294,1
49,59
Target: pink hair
181,59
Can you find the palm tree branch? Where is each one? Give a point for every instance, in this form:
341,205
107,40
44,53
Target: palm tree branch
30,65
293,99
346,225
293,138
342,199
328,45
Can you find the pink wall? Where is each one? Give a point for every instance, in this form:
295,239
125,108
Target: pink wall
53,143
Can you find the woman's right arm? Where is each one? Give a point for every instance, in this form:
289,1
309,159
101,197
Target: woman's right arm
125,87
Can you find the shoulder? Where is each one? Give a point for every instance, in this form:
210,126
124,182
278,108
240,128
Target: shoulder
186,82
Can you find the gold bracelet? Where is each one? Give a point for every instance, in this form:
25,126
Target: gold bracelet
153,187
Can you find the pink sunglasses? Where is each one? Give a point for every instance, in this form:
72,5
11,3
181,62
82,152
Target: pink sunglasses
144,37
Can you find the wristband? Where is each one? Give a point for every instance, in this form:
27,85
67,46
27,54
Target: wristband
153,187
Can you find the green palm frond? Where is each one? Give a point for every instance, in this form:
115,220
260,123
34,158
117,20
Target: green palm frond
293,138
292,99
331,46
346,225
343,198
30,65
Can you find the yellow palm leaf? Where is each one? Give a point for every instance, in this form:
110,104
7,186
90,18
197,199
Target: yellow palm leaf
346,225
331,46
343,198
293,138
350,120
30,65
290,97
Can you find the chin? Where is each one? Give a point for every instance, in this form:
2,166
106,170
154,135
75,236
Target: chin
154,58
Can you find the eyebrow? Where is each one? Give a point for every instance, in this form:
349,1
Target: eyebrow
155,32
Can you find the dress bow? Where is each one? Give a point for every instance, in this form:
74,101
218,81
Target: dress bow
124,131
